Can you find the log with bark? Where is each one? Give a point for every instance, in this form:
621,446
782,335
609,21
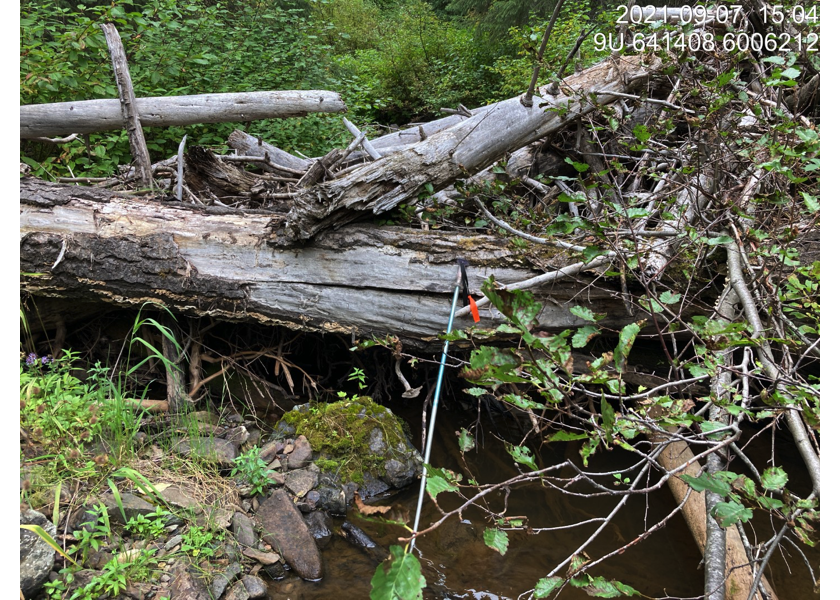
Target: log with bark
90,244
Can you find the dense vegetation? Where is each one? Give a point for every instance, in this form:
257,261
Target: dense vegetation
392,62
729,152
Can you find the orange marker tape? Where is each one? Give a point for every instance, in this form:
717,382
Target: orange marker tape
474,309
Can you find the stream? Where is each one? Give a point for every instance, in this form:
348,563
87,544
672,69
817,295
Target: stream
457,564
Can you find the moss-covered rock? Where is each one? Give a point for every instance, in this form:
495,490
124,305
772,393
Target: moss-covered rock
358,440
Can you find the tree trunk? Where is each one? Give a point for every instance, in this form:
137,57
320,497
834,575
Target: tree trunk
362,279
89,116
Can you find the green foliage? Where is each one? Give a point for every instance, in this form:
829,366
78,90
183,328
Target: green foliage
150,526
198,542
402,579
497,539
253,470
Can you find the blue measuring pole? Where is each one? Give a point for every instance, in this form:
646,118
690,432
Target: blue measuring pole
434,410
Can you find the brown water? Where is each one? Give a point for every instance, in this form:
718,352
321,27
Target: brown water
457,564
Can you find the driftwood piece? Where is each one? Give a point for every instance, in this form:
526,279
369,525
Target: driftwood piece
362,279
89,116
207,173
249,145
128,105
461,150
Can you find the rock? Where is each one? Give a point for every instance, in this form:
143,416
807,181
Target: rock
276,571
236,592
301,455
256,587
372,486
132,506
172,542
243,530
274,464
277,478
331,495
237,435
234,418
219,518
203,416
320,526
300,481
212,449
376,442
222,580
284,528
176,496
282,430
36,556
269,451
186,586
265,558
399,474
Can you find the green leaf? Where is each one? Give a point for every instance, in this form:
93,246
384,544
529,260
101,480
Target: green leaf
592,252
709,426
522,402
466,442
565,436
546,585
476,391
625,342
774,478
579,167
584,313
641,132
522,455
496,539
791,73
770,503
435,485
669,297
718,241
403,579
583,335
517,305
706,482
729,513
599,587
776,60
39,531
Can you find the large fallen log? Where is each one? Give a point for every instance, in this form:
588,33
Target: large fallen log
463,149
91,244
88,116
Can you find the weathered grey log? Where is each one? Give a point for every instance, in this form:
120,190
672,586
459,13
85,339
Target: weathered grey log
249,145
128,105
88,116
461,150
362,279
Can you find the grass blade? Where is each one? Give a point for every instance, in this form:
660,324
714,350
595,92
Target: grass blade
39,531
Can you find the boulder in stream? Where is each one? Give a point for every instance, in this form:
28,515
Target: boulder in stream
284,528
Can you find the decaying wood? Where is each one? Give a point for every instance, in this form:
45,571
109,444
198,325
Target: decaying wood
461,150
128,105
361,279
738,568
249,145
89,116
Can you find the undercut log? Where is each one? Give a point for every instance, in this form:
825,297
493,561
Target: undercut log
217,261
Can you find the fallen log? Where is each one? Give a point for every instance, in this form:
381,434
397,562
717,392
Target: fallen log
462,150
88,116
362,279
